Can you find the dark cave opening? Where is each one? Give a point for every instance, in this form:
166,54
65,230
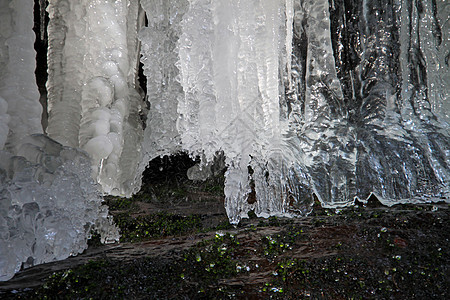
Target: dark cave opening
41,20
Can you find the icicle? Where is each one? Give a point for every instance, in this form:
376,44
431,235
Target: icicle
289,32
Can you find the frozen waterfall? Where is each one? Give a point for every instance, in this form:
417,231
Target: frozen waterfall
304,97
331,99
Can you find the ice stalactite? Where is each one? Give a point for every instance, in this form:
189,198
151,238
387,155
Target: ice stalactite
20,110
65,73
93,99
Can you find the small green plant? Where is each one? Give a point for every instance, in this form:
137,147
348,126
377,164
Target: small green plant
216,258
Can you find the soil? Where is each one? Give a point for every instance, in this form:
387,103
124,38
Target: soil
177,244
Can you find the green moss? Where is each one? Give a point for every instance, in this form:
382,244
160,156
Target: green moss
215,259
275,245
74,283
162,193
155,226
214,185
119,203
224,225
109,279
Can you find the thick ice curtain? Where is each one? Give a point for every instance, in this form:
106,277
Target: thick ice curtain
390,60
93,102
339,98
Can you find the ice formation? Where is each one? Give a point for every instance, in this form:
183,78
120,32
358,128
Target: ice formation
49,205
48,202
93,101
332,98
20,111
299,100
303,101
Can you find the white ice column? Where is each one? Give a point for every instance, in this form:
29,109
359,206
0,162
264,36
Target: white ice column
67,46
252,135
93,101
197,109
20,110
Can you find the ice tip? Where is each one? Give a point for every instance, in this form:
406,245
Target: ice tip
234,221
